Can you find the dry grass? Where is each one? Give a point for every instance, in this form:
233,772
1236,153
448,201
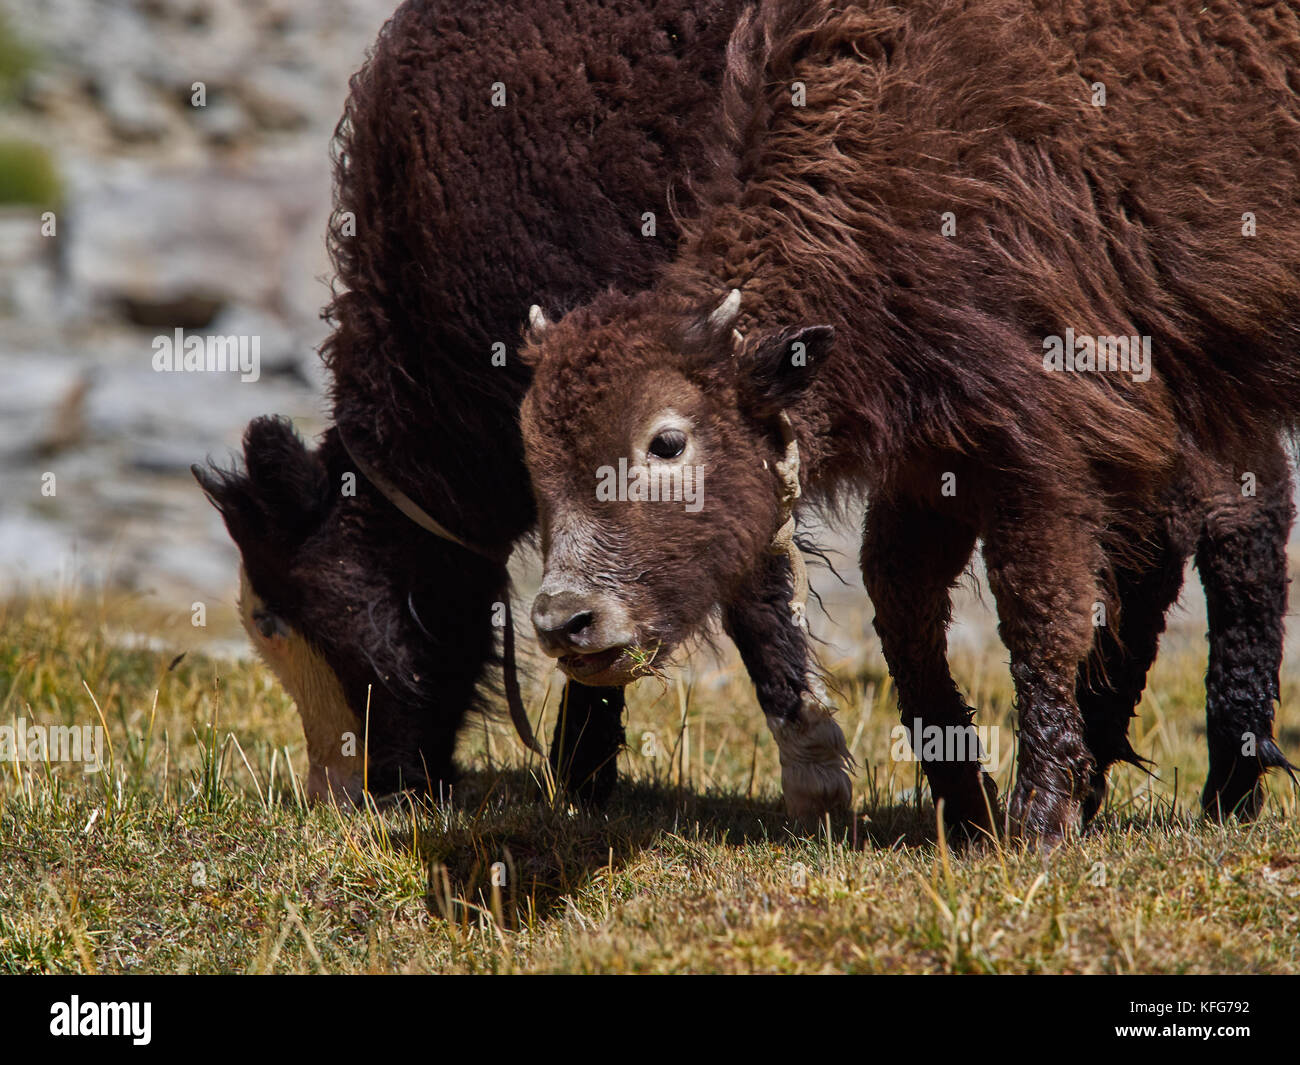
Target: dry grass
192,851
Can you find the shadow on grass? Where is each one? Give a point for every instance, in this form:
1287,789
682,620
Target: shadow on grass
547,852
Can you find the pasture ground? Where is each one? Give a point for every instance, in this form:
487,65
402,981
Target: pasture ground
192,852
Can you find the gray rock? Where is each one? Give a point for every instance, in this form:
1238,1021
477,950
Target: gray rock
280,348
35,386
222,121
160,238
27,266
210,218
135,111
280,99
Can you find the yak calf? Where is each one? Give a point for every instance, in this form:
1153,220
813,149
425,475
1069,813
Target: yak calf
1028,274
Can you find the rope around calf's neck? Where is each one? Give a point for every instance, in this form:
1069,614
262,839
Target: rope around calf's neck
783,542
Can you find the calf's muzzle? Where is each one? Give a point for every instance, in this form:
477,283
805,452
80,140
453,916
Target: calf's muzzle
588,631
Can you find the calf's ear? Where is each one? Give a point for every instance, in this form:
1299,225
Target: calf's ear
780,366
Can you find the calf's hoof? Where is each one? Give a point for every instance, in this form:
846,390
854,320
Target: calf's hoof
814,790
815,764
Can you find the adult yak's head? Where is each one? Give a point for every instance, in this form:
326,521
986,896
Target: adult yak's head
652,437
273,508
357,633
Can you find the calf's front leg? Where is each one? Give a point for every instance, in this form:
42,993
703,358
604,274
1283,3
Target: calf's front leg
815,760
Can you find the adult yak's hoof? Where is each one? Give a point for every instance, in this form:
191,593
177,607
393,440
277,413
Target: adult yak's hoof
1235,786
1043,818
970,803
1237,792
333,786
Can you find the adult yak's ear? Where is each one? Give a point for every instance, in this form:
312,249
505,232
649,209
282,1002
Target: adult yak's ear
780,366
280,497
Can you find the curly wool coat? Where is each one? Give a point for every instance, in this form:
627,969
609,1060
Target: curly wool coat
452,214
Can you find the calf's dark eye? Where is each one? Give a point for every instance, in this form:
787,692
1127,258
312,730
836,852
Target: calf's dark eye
668,444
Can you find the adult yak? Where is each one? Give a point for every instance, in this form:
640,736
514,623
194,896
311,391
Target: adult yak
486,152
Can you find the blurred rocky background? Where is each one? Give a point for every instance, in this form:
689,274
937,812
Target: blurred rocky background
165,214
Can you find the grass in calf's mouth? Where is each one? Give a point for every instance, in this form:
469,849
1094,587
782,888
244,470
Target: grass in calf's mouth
193,850
640,663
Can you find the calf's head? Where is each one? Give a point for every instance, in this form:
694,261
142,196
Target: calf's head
651,436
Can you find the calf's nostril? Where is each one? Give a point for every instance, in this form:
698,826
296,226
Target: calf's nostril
581,620
563,614
566,621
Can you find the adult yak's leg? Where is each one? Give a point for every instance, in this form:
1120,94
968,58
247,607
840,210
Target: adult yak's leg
1045,560
814,757
1241,557
588,737
1110,685
911,558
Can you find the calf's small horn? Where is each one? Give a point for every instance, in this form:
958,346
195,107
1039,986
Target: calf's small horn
537,322
725,313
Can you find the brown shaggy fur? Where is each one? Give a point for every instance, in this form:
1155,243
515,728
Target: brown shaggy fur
925,381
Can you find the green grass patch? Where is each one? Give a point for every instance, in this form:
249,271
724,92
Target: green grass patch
192,851
16,59
27,175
